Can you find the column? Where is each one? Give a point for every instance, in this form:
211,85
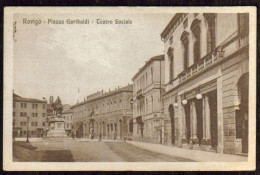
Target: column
184,129
207,117
191,123
220,147
194,124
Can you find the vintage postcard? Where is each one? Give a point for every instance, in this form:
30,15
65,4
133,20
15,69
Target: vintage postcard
129,88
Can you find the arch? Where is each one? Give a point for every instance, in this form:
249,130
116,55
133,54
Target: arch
170,50
242,113
130,125
184,35
195,23
171,113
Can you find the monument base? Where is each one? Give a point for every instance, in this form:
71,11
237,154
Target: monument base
56,128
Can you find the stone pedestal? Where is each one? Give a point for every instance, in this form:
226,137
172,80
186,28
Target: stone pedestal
56,127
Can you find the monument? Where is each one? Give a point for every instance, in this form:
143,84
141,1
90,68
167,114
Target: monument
56,122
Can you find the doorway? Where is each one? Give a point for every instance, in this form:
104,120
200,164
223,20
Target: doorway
171,111
213,118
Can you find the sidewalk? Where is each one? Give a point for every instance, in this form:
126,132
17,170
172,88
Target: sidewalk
96,140
196,155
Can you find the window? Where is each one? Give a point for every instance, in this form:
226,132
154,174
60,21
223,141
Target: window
14,105
195,28
185,23
43,106
243,19
185,45
32,114
13,122
36,114
23,114
152,103
171,40
43,123
170,55
14,114
21,105
25,105
211,41
43,114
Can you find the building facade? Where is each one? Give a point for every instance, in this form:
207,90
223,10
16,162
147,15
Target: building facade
67,115
148,86
104,114
29,111
206,78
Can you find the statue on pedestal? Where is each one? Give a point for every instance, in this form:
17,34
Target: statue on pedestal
56,123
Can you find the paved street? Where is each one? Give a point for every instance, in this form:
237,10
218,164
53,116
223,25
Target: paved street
89,151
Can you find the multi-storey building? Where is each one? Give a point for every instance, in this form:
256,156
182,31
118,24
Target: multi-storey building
67,115
148,85
206,77
104,114
29,110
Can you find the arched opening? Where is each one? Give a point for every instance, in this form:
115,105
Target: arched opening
242,113
171,112
131,126
120,129
195,28
185,43
103,129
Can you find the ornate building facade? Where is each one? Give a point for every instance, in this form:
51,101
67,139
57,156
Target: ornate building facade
206,79
148,85
29,113
104,114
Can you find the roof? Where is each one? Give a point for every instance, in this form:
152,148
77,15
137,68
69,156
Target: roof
128,88
18,98
159,57
67,111
170,24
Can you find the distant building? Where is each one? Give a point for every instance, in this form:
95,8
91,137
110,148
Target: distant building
108,115
67,115
36,110
206,77
148,86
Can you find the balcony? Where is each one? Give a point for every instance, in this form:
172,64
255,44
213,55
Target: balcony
211,58
139,94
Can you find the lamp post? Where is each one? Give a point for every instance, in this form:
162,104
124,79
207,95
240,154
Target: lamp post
27,138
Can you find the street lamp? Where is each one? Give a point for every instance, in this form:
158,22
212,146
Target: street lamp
27,139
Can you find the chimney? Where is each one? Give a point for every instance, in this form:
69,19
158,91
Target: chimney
44,99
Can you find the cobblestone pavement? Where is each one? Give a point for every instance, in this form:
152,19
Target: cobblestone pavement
85,151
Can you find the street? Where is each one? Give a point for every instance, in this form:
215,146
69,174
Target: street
68,150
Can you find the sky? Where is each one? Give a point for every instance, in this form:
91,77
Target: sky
75,60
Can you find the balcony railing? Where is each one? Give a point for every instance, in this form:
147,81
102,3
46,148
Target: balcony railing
211,58
139,94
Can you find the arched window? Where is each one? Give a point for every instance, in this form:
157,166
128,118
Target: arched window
195,28
211,41
185,44
170,56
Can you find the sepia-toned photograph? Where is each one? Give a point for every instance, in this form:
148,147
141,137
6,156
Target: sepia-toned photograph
129,88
